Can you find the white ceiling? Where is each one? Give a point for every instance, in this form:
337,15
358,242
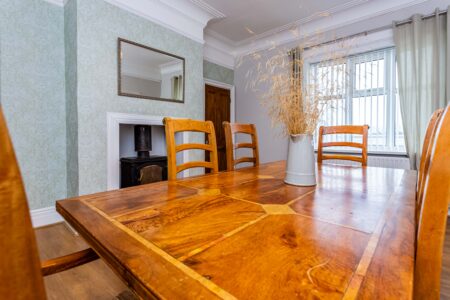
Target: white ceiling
246,19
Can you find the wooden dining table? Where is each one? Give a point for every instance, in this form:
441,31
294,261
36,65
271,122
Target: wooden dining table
245,234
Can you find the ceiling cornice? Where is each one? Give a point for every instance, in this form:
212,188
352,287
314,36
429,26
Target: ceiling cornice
313,17
218,52
182,16
206,7
355,11
186,17
343,18
190,17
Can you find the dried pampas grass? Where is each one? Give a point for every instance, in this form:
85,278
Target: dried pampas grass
291,99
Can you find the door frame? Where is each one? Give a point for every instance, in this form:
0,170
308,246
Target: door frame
232,95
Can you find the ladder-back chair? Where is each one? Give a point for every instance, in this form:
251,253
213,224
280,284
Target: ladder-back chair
351,129
426,155
230,130
433,215
173,126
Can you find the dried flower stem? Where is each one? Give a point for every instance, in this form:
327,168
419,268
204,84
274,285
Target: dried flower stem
290,100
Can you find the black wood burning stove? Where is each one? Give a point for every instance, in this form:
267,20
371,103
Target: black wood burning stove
132,169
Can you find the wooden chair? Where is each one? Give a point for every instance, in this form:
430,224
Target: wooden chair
230,131
433,215
21,271
362,130
425,157
179,125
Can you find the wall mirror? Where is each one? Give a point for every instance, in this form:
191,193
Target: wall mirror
149,73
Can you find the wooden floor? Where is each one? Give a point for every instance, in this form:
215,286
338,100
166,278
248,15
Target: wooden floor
91,281
96,281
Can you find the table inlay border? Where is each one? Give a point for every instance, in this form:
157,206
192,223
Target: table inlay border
181,266
361,271
363,268
223,237
302,196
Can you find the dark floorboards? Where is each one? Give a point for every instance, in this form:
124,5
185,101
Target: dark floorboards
94,280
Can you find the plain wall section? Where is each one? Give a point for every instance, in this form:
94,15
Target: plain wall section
249,109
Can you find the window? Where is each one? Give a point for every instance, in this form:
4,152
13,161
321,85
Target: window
364,92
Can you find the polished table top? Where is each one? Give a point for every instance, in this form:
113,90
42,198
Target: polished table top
246,234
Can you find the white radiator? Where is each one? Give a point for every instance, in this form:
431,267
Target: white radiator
395,162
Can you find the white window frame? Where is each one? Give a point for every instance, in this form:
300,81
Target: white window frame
388,53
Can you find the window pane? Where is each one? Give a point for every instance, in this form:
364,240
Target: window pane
330,79
369,75
371,111
363,91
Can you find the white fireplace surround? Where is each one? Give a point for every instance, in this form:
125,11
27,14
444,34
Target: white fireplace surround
113,141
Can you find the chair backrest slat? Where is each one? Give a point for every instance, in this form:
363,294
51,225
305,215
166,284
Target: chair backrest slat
433,215
350,129
173,126
230,130
20,276
183,147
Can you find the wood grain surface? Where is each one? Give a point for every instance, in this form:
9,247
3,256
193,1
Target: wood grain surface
245,234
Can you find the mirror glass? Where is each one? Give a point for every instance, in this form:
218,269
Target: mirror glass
148,73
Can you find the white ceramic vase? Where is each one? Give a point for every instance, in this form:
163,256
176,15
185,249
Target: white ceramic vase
301,162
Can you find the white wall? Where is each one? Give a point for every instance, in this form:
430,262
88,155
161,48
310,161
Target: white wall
272,145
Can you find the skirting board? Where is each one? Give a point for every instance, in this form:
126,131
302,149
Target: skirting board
45,216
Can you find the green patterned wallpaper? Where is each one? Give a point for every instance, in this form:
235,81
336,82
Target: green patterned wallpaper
218,73
32,94
58,80
99,24
70,42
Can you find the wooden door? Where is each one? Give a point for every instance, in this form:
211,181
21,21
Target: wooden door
217,110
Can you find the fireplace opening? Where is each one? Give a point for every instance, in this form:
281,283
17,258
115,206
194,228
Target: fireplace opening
140,163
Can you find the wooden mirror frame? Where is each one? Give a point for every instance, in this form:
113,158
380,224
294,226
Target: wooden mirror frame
119,71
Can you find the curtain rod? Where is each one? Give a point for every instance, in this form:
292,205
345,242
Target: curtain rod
367,32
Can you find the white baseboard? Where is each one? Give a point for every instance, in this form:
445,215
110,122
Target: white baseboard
45,216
